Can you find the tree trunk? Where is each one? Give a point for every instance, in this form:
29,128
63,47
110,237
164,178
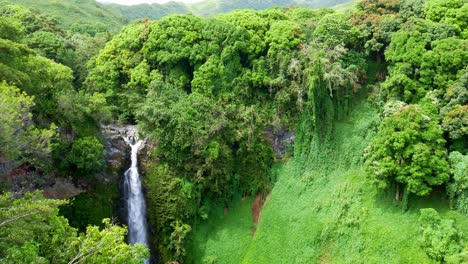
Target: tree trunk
378,58
397,193
404,203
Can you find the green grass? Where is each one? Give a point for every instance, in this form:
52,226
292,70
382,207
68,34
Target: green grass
225,236
323,210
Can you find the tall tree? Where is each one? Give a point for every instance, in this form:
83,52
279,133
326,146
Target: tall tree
408,150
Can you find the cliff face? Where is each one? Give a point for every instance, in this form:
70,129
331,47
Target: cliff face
118,151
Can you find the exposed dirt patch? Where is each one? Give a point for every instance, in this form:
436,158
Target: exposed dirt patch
257,206
327,254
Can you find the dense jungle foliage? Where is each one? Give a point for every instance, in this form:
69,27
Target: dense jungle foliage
376,98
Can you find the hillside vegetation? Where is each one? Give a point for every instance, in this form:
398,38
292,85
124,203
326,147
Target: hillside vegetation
375,100
213,7
77,15
210,8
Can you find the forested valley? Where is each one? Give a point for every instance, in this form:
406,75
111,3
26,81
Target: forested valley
273,133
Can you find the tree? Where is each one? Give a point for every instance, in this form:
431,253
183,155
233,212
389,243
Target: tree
425,56
412,8
11,29
457,189
178,238
454,113
408,149
108,246
20,139
335,29
33,232
47,44
377,20
87,154
452,12
440,238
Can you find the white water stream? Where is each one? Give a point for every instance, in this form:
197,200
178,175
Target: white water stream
136,205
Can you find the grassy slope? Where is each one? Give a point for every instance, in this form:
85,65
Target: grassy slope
322,210
224,237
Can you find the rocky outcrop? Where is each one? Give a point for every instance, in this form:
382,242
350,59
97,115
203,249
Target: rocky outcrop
25,178
63,188
280,139
118,150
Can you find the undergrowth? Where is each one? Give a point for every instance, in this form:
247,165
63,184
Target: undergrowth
322,209
225,236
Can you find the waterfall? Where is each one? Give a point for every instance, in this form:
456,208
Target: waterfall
136,205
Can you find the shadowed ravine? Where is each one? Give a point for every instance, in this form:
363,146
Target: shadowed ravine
136,206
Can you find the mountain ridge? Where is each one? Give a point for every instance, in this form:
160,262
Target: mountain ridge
208,8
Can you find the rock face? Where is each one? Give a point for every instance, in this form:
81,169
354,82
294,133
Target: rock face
25,178
280,139
118,150
62,189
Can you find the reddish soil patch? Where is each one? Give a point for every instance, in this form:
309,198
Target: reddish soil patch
21,170
257,206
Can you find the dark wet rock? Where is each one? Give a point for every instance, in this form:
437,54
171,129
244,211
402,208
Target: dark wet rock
25,178
280,139
118,150
63,188
6,166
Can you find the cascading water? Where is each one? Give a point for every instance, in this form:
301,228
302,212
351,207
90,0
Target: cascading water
136,205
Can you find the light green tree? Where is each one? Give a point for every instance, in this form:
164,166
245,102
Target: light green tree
441,240
457,189
20,139
408,150
33,232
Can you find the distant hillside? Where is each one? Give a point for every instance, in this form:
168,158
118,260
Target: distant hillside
78,15
345,6
153,11
212,7
91,16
